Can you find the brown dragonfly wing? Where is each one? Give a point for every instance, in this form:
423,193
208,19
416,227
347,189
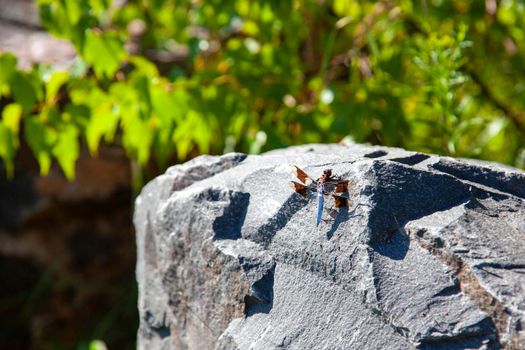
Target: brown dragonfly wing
340,201
342,186
302,189
337,185
302,176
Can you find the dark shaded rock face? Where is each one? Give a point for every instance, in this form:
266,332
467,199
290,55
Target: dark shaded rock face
430,254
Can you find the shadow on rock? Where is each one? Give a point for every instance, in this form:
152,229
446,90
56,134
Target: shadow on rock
402,194
260,299
487,339
341,216
229,224
266,232
396,248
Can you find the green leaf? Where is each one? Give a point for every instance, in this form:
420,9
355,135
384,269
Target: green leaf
170,107
137,136
103,123
11,116
104,51
23,90
66,149
182,137
77,114
74,10
7,149
53,85
53,17
7,69
41,140
347,8
9,128
193,130
203,134
50,115
97,345
144,66
99,6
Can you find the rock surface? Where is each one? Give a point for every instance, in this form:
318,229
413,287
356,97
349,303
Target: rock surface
430,254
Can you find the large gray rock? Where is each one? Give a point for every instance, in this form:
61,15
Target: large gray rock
429,255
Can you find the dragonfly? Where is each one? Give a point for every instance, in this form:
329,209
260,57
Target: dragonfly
327,184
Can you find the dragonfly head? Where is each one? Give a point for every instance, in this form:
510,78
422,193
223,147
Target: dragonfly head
327,174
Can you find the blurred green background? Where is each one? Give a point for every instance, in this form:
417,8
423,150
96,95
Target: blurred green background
167,80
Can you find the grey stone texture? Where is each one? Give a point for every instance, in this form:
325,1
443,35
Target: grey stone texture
430,254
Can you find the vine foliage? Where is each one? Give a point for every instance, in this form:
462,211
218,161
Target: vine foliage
171,79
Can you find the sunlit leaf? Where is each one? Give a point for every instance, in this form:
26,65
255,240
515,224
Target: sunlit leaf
493,136
66,149
7,149
250,28
185,133
11,116
74,10
7,69
97,345
53,85
41,139
144,66
200,77
137,138
347,8
103,123
104,51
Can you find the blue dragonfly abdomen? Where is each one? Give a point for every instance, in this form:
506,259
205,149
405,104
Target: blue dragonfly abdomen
320,203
